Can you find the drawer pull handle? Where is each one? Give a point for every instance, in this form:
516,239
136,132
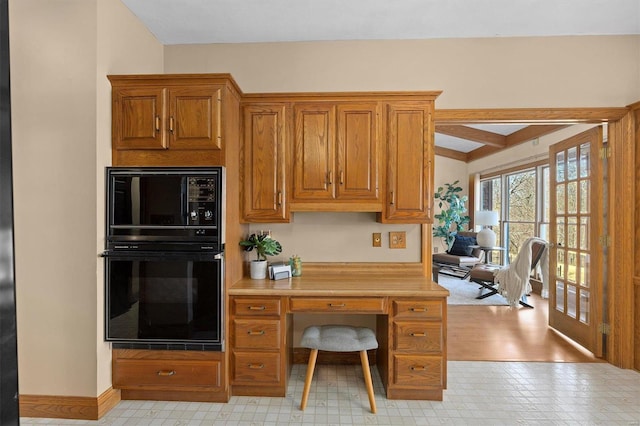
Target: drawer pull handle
256,366
255,333
419,368
257,308
157,123
419,334
337,305
166,372
418,309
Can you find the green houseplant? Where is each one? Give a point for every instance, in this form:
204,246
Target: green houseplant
264,246
452,217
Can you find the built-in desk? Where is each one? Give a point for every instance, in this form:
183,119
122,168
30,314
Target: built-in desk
411,318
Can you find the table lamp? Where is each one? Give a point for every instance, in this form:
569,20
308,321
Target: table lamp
485,218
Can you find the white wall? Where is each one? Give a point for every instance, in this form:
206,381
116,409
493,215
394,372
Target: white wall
60,53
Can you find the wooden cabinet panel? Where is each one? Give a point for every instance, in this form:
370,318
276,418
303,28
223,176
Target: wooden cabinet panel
417,309
256,368
338,304
409,164
418,371
194,118
264,161
257,334
422,337
256,306
165,373
314,152
357,157
137,119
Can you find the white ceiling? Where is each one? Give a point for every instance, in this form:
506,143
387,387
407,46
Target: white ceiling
239,21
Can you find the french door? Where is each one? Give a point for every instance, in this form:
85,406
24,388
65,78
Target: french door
576,258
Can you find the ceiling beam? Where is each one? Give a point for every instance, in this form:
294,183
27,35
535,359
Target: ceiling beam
475,135
450,153
529,115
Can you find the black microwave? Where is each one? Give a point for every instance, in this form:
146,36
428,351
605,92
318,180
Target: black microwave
151,206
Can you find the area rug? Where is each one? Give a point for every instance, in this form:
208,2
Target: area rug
464,292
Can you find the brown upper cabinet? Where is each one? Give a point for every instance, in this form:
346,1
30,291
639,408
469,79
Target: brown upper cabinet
156,113
264,162
409,186
335,154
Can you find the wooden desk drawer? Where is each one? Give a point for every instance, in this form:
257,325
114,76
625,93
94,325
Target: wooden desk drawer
418,371
338,304
416,336
137,373
256,368
256,307
256,334
417,309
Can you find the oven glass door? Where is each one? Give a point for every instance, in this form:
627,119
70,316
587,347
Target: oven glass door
164,298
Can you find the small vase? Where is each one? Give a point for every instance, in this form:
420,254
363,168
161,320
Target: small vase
258,269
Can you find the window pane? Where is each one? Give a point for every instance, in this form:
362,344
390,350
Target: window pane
584,233
585,160
560,296
571,301
584,306
572,232
560,264
572,266
560,233
517,233
572,164
560,167
546,199
522,197
572,197
560,199
584,269
584,196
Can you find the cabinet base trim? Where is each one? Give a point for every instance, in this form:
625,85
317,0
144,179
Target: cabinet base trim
415,394
69,407
250,390
190,396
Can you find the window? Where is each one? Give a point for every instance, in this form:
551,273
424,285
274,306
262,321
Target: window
521,198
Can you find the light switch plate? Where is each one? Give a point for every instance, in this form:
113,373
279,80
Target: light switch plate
398,240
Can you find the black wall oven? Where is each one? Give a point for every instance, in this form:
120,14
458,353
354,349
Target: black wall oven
164,258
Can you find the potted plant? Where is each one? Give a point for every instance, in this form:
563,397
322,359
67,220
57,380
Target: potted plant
452,217
264,246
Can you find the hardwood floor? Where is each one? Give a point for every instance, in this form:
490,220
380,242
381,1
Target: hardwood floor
498,333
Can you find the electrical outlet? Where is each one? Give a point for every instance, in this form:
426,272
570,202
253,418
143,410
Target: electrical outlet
397,240
377,239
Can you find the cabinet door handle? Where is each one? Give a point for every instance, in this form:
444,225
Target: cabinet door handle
279,198
337,305
341,177
418,334
256,366
418,368
255,333
157,123
257,308
330,178
393,200
418,309
171,123
166,372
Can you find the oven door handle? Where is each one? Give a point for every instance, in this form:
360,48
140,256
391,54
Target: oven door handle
155,255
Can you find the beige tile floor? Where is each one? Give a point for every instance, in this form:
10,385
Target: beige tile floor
479,393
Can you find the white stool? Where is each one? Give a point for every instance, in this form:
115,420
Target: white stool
338,338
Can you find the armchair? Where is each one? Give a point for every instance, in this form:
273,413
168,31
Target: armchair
459,260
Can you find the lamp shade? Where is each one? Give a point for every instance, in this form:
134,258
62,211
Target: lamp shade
486,237
486,217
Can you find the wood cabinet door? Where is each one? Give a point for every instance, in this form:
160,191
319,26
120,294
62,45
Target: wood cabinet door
409,163
137,118
264,198
194,120
314,157
357,159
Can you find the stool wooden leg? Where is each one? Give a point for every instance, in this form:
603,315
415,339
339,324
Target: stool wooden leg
367,379
307,381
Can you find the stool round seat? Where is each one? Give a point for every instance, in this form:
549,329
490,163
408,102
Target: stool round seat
339,338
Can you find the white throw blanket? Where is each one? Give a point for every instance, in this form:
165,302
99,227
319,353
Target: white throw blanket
513,279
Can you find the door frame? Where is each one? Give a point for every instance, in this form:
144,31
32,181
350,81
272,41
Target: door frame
621,153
